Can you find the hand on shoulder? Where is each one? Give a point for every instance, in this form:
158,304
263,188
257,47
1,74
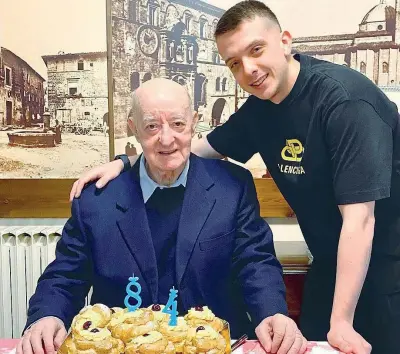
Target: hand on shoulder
104,173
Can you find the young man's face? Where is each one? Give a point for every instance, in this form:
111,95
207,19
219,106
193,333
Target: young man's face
257,54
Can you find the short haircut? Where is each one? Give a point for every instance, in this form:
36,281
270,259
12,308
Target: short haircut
242,11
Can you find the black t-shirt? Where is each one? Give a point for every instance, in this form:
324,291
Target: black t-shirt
334,140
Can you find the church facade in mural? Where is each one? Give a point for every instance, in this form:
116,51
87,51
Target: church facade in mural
171,39
374,50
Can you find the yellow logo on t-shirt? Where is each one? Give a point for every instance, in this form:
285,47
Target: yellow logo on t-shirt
293,151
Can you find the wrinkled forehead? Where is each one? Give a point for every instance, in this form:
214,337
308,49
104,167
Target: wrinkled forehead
166,103
158,113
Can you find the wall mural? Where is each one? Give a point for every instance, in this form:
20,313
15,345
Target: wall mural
53,88
174,39
53,69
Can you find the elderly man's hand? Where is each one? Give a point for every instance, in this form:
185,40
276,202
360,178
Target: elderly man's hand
279,334
104,173
45,336
343,337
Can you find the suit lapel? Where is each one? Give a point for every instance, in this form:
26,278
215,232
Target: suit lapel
196,208
135,230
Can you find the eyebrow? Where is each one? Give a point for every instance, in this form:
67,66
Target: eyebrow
150,118
147,119
251,44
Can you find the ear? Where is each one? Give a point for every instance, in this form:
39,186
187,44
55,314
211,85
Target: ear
286,42
195,119
133,128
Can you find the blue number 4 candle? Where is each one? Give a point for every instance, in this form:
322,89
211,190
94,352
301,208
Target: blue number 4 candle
171,307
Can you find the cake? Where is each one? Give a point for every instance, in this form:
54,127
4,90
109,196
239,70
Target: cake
204,339
159,316
126,325
98,329
94,340
202,315
175,334
150,343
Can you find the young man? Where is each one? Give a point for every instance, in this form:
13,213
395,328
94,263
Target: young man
331,140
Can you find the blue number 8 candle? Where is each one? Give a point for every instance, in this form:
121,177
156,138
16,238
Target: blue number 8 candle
133,281
171,307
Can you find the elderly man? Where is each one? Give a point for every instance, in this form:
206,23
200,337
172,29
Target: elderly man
173,220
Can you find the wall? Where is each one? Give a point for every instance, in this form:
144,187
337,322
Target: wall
284,229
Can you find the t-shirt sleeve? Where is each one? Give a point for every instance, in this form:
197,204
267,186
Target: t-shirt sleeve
361,148
233,138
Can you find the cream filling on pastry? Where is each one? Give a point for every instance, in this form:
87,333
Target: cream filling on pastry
206,314
207,332
149,338
181,326
100,334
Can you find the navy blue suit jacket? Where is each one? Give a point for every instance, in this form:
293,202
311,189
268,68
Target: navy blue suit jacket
225,257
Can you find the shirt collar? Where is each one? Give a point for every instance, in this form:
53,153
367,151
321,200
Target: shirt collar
149,186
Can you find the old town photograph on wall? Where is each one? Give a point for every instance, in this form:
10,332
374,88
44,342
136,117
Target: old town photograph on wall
53,88
174,39
53,69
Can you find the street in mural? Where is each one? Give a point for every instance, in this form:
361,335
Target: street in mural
53,89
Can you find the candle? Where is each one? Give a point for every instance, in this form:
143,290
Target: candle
133,281
171,307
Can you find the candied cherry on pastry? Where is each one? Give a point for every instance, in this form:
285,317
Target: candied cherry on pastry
156,307
200,328
199,308
87,324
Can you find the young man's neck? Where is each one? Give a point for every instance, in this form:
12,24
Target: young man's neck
290,80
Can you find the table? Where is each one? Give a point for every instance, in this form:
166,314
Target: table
7,346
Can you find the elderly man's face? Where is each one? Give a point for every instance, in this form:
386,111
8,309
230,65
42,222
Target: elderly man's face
165,131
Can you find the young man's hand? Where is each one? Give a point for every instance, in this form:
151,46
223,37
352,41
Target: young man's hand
104,173
343,337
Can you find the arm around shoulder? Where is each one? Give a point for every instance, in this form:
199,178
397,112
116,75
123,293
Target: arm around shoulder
204,149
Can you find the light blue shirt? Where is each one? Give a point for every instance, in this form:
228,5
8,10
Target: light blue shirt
149,186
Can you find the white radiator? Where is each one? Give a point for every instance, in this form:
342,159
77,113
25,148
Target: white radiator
25,251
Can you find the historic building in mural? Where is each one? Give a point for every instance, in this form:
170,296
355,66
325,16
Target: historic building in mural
174,39
21,92
171,39
373,49
77,94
